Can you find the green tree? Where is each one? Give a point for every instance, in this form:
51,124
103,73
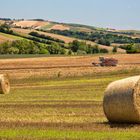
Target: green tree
55,48
44,51
114,50
104,51
80,52
74,45
103,41
12,50
95,49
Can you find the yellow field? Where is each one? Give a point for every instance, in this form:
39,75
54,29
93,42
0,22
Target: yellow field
35,24
64,66
59,27
4,38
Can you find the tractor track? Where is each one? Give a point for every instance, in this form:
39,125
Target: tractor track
57,67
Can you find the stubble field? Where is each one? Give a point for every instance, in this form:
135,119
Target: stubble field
61,98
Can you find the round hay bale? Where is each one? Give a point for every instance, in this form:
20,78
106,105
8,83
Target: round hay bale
122,101
4,84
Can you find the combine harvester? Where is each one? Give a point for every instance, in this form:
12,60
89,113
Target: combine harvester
106,62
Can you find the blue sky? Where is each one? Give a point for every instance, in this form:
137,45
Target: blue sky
120,14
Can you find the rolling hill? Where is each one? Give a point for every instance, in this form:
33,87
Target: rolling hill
6,37
72,31
44,25
64,38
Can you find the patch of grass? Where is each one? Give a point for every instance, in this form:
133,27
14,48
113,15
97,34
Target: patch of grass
15,56
11,36
79,135
47,27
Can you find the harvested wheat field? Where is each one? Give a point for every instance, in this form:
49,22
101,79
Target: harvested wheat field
62,98
28,23
129,59
59,27
4,38
2,22
65,66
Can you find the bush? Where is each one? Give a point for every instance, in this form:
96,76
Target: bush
44,51
4,28
95,49
12,50
131,48
55,48
70,52
104,42
114,50
104,51
79,52
74,45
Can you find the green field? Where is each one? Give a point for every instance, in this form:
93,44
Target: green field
11,36
47,27
69,108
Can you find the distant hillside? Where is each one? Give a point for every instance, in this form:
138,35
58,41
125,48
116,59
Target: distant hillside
49,25
39,24
106,38
43,25
6,37
65,38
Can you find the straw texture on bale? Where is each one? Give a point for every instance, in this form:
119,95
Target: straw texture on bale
4,84
122,101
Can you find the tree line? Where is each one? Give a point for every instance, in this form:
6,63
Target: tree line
131,48
25,46
30,47
36,34
98,37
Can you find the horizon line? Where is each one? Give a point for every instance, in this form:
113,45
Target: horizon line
61,22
